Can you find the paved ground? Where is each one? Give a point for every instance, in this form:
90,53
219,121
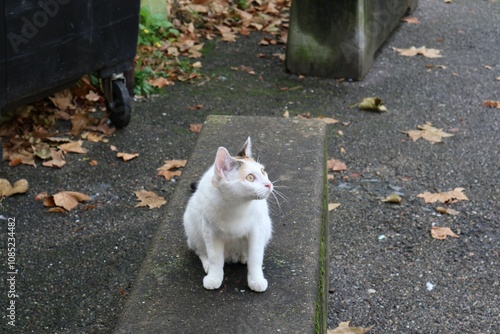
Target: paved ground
76,269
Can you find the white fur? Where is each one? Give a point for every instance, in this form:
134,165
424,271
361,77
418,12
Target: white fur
227,218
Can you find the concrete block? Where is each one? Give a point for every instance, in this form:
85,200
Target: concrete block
168,295
339,38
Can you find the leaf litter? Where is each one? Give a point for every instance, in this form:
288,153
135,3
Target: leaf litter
428,132
149,199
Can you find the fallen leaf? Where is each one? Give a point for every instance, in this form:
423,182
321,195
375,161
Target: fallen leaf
69,199
332,206
63,100
344,328
328,120
428,132
57,159
160,82
451,196
21,157
392,198
56,209
93,163
168,170
92,96
372,104
127,156
41,196
195,127
19,187
94,137
149,198
491,104
410,20
195,107
112,147
447,211
413,51
73,147
442,233
41,150
336,165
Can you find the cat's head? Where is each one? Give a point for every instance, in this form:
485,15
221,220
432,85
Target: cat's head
241,176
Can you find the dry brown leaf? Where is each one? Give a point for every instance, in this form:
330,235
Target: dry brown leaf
69,199
92,96
332,206
63,100
19,187
94,137
149,198
336,165
344,328
442,233
447,211
41,196
410,20
57,159
195,127
195,107
413,51
160,82
93,163
452,196
73,147
328,120
21,157
168,170
491,104
127,156
56,209
428,132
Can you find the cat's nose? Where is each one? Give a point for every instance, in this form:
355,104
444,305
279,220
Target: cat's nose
268,185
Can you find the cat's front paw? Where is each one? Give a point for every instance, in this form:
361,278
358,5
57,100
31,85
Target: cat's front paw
212,282
258,285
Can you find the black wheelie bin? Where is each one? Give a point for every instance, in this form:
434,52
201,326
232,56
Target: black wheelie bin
47,45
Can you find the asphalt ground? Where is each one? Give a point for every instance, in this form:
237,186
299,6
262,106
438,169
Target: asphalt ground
76,269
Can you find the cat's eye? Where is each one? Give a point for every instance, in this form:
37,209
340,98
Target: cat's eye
250,178
263,171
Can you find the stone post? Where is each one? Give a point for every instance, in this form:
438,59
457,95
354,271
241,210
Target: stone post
339,38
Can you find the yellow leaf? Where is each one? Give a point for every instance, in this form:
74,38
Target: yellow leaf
442,233
372,104
344,328
149,198
19,187
392,198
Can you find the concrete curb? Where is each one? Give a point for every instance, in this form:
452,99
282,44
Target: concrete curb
168,295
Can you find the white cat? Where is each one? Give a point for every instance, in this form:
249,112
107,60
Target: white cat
227,218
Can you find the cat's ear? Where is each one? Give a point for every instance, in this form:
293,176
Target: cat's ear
224,163
246,151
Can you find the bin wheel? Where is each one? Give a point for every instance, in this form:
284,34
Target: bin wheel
119,107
